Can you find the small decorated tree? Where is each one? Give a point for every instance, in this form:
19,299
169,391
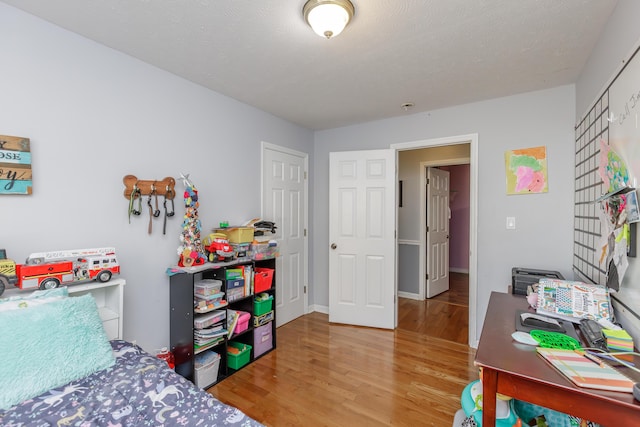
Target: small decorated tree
190,250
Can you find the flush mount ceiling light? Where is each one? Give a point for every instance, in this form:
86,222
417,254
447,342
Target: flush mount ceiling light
328,17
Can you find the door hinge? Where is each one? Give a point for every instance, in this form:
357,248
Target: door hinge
305,174
427,181
427,276
305,289
305,232
427,228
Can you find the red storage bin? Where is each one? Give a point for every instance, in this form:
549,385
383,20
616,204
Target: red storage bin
262,279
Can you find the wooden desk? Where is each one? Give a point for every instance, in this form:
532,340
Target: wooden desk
516,370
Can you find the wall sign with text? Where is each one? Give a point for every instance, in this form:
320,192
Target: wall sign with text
15,165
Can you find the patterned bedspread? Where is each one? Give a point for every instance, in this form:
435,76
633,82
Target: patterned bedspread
139,390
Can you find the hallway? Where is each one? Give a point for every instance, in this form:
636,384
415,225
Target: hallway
445,316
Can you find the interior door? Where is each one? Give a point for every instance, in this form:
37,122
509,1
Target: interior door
362,228
438,215
285,203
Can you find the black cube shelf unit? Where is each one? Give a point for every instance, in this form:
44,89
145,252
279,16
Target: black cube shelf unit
182,317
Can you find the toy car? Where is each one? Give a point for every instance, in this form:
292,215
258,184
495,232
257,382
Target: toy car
218,248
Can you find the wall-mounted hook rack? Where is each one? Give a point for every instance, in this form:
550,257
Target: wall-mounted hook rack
163,187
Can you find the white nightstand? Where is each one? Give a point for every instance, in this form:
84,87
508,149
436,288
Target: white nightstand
109,297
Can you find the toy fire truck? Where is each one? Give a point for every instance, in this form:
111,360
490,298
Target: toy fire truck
48,270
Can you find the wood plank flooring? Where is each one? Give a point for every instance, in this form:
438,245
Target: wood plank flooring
324,374
444,316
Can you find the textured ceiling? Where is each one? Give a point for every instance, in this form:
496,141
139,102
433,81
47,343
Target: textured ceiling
433,53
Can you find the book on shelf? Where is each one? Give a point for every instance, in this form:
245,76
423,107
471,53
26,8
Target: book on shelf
584,372
247,274
199,345
232,320
210,333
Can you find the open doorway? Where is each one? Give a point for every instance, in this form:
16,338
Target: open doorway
443,312
413,311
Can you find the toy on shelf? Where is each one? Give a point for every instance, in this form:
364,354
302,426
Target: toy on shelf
190,250
218,248
48,270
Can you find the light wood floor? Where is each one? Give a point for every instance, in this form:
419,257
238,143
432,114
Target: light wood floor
324,374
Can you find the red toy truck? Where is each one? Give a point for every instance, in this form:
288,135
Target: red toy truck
48,270
217,247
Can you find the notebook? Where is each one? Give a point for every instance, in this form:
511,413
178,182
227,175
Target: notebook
584,372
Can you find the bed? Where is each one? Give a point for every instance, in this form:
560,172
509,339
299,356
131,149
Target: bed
121,385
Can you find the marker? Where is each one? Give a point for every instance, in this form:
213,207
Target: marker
594,359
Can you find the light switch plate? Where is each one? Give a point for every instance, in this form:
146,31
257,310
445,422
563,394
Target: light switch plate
511,223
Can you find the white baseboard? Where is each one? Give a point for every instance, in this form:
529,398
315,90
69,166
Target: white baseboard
459,270
319,308
409,295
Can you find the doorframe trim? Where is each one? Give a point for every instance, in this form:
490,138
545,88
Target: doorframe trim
305,156
472,140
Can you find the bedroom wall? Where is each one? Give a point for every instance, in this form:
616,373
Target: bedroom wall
616,43
543,237
95,115
620,38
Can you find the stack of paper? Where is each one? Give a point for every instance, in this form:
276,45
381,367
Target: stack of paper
209,336
618,340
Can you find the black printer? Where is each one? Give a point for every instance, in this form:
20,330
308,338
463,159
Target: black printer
521,278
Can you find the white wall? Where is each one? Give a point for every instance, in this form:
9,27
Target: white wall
409,171
618,41
544,234
95,115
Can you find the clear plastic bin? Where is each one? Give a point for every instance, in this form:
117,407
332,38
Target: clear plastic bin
206,368
206,287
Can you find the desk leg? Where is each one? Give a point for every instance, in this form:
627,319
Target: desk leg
489,390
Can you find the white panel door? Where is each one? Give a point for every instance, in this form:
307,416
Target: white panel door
362,221
284,202
437,231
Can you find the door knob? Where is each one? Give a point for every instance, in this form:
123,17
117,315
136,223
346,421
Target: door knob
333,246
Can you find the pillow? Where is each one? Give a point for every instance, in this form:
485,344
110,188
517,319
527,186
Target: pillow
34,298
49,345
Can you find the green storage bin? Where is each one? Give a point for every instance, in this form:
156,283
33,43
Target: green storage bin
237,361
262,307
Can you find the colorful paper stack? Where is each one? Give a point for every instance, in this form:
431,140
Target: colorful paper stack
618,340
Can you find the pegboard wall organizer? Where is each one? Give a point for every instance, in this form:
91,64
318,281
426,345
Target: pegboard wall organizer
163,187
